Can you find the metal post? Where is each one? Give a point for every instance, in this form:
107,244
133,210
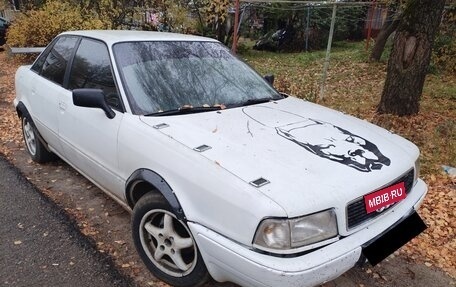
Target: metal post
235,30
307,28
328,52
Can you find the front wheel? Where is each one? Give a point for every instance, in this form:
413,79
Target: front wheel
165,243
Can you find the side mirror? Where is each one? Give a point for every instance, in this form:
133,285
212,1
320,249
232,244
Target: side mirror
270,79
92,98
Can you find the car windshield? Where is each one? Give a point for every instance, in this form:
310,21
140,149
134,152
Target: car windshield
174,76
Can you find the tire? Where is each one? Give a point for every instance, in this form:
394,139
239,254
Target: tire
35,147
165,244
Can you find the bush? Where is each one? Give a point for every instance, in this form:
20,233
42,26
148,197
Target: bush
36,28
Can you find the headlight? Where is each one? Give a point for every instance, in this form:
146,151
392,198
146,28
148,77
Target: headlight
287,234
417,169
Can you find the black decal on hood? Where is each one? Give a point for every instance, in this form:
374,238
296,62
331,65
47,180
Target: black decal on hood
321,138
334,143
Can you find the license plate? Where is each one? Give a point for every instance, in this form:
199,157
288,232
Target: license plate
381,199
390,241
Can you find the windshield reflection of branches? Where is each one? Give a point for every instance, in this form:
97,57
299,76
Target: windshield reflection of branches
163,76
185,78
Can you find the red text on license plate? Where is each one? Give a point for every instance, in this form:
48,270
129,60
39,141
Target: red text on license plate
376,201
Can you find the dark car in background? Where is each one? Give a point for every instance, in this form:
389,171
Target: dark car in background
272,41
4,24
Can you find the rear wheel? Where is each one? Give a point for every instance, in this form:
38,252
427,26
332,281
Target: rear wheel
35,147
165,243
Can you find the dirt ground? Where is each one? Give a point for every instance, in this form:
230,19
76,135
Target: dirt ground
108,225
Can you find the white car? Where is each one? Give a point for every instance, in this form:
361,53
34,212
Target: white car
224,175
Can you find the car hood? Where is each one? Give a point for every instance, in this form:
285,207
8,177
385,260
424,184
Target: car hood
312,157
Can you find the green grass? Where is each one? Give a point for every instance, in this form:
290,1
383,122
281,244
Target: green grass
436,89
339,51
300,73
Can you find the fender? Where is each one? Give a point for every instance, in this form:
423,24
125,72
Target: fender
22,111
151,177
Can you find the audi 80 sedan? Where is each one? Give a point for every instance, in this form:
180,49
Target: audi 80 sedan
224,175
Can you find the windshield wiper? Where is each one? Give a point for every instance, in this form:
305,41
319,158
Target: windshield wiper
185,110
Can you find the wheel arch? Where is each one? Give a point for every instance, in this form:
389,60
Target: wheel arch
143,181
22,111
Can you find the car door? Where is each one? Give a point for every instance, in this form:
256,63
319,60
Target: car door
47,88
87,135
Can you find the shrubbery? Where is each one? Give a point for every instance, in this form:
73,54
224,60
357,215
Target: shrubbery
36,28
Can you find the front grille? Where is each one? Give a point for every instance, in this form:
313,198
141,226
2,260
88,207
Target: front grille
356,210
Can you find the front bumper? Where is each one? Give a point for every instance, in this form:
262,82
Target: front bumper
227,260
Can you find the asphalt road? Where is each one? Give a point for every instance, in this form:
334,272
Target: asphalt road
41,246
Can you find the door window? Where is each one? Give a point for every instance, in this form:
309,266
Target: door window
54,65
92,69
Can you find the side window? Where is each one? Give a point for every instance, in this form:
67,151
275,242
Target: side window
38,65
92,69
53,67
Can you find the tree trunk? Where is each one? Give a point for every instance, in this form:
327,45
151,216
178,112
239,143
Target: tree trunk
383,35
409,59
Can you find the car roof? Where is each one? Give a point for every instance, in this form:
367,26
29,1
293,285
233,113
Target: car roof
116,36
